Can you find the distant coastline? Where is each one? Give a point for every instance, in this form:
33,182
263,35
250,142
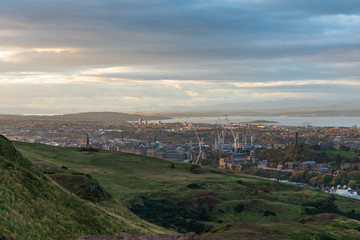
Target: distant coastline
276,121
261,121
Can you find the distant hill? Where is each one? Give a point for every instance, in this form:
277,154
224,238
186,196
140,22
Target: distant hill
279,104
347,109
32,206
88,116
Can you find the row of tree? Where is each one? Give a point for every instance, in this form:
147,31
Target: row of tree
311,178
303,153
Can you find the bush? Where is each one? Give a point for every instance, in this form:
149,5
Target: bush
322,206
195,186
195,169
164,213
84,149
239,208
267,213
322,236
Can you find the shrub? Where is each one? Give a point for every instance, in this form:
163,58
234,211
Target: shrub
267,213
84,149
239,208
322,236
322,206
195,186
195,169
164,213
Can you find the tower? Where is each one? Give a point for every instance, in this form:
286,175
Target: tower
296,138
87,141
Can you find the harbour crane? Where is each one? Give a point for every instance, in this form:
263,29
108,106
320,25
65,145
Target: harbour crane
201,142
235,136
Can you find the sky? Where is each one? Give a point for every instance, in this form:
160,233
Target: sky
139,55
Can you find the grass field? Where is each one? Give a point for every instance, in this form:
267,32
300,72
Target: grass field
32,206
334,152
235,205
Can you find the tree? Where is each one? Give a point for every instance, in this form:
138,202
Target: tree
336,181
326,180
352,184
354,174
344,181
315,181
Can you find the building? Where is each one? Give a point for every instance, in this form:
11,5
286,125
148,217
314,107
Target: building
174,156
311,165
87,141
293,165
280,167
344,191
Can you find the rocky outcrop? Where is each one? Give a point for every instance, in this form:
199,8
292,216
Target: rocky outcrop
98,191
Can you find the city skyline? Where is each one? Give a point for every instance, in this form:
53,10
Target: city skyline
147,55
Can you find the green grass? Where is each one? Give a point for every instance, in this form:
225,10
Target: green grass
131,178
32,206
334,152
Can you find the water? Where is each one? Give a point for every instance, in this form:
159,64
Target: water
280,121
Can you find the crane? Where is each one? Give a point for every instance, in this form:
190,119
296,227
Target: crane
252,135
201,142
236,137
220,135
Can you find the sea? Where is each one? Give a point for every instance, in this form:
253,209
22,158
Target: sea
279,121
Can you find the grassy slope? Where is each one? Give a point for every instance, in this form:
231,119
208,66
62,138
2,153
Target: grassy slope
129,178
334,152
32,206
347,154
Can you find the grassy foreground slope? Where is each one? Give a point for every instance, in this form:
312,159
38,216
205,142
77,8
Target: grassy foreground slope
215,202
32,206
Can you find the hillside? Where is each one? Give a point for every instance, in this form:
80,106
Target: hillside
208,201
285,107
32,206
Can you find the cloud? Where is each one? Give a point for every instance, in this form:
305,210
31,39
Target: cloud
295,83
162,52
6,56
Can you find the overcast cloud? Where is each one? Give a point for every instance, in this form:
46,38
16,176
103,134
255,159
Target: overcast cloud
129,54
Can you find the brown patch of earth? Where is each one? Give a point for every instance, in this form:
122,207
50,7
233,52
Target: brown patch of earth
323,218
